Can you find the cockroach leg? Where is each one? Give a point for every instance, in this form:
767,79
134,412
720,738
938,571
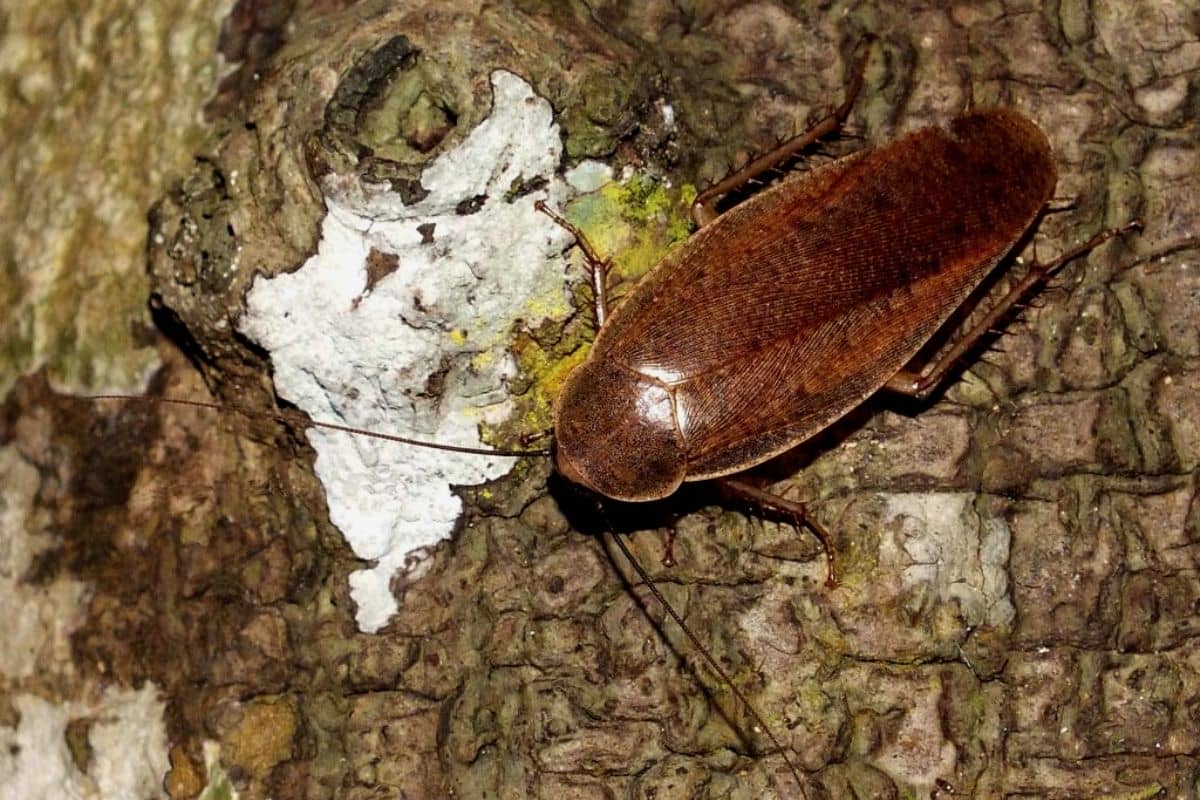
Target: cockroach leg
703,209
668,558
918,383
530,438
598,267
796,513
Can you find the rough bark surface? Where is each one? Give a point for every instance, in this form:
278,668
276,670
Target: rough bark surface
1019,608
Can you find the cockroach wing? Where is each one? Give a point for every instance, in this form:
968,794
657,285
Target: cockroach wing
790,309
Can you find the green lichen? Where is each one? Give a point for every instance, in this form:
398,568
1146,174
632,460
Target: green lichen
218,786
604,106
633,222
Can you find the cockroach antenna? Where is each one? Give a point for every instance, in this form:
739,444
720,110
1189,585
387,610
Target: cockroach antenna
300,419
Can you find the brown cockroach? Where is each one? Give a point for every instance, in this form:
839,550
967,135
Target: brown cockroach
780,315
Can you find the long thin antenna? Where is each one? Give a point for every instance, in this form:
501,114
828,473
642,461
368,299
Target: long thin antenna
287,419
703,651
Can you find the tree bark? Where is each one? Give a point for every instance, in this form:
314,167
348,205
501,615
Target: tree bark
1017,613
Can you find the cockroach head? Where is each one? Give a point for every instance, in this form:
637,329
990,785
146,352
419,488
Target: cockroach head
615,433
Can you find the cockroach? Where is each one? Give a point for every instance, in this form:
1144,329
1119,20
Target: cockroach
785,312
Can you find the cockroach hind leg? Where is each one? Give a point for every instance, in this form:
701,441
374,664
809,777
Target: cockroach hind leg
704,207
597,267
919,383
1135,224
796,513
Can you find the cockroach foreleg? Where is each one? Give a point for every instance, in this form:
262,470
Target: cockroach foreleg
704,210
918,383
598,267
795,513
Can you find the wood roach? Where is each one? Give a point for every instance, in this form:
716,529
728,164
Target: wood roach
782,314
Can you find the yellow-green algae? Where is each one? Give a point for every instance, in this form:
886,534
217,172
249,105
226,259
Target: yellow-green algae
633,223
264,736
99,107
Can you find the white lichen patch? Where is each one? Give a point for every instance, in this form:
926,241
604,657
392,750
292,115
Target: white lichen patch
421,349
126,737
939,541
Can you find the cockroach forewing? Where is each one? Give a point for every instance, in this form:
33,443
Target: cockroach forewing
790,309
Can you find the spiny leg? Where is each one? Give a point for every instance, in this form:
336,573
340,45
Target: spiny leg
703,211
796,513
919,383
597,266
